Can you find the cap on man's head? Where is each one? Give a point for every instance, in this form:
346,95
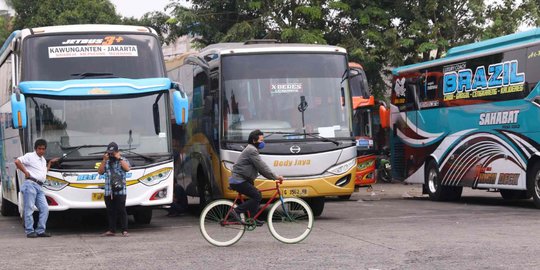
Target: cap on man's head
112,147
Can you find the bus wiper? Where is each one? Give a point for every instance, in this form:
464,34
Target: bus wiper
137,154
129,151
76,148
94,74
313,135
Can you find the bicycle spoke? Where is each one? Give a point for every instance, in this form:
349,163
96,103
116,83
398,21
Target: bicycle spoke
216,229
291,221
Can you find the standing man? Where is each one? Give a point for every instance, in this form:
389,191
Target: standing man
35,167
114,166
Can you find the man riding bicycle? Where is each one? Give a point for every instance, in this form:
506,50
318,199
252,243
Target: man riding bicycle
245,170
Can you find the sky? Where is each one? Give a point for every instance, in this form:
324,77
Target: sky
137,8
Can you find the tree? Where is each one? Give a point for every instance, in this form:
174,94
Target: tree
35,13
212,21
5,28
382,34
377,34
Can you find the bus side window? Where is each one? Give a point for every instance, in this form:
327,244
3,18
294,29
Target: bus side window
411,92
533,65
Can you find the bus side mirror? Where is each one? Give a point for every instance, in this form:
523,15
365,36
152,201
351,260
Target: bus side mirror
18,110
384,115
180,104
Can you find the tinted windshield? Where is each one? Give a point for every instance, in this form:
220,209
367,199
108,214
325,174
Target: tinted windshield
69,123
358,82
285,92
65,57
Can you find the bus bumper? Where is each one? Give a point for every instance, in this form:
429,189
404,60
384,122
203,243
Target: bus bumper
137,195
335,185
365,171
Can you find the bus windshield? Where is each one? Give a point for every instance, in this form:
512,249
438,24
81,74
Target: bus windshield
91,56
285,93
85,126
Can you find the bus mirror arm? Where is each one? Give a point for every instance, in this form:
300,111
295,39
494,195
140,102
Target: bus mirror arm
178,87
198,61
17,92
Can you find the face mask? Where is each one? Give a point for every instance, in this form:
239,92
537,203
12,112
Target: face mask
260,145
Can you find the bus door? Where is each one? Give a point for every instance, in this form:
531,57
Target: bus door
405,129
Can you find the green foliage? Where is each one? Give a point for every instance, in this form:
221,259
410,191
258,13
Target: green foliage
378,34
4,28
35,13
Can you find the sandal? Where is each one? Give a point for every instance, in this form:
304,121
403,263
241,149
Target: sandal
125,234
108,233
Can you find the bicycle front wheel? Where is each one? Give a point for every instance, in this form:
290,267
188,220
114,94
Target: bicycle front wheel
218,230
291,221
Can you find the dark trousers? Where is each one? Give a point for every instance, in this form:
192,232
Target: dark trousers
180,201
116,209
248,189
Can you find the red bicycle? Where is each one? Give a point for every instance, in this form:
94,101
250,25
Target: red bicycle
290,220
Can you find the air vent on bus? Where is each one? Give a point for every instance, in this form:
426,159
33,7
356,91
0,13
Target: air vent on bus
343,181
397,159
261,41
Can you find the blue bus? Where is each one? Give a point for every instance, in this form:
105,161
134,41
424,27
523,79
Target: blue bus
470,119
80,87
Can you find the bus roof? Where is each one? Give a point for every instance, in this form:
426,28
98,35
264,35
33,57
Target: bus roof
77,28
231,48
478,49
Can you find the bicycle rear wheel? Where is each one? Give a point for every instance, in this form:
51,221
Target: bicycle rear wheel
290,222
215,229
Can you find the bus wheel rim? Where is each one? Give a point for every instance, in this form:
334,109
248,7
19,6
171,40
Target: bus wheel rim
432,181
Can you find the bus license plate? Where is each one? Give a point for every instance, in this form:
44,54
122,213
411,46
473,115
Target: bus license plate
98,196
295,192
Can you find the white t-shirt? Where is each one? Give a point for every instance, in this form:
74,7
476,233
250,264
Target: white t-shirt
35,165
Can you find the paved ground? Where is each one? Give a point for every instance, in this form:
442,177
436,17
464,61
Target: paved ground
396,228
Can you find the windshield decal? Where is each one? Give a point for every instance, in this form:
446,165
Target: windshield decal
286,88
93,51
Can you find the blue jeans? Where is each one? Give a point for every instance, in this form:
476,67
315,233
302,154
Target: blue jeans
33,195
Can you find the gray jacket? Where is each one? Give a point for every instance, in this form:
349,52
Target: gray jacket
249,165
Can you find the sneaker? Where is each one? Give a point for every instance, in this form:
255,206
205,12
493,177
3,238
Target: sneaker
125,234
259,223
108,233
32,235
237,216
44,234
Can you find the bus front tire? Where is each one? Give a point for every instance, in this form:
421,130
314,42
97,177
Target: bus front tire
533,184
436,191
316,204
143,216
8,208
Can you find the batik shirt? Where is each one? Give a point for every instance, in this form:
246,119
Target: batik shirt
118,169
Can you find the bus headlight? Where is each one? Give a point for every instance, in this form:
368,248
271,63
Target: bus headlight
365,165
156,177
54,183
343,167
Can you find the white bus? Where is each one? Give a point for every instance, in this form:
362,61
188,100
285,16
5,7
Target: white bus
80,87
297,94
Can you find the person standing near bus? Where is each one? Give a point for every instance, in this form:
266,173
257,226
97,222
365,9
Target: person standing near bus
245,170
115,167
35,167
